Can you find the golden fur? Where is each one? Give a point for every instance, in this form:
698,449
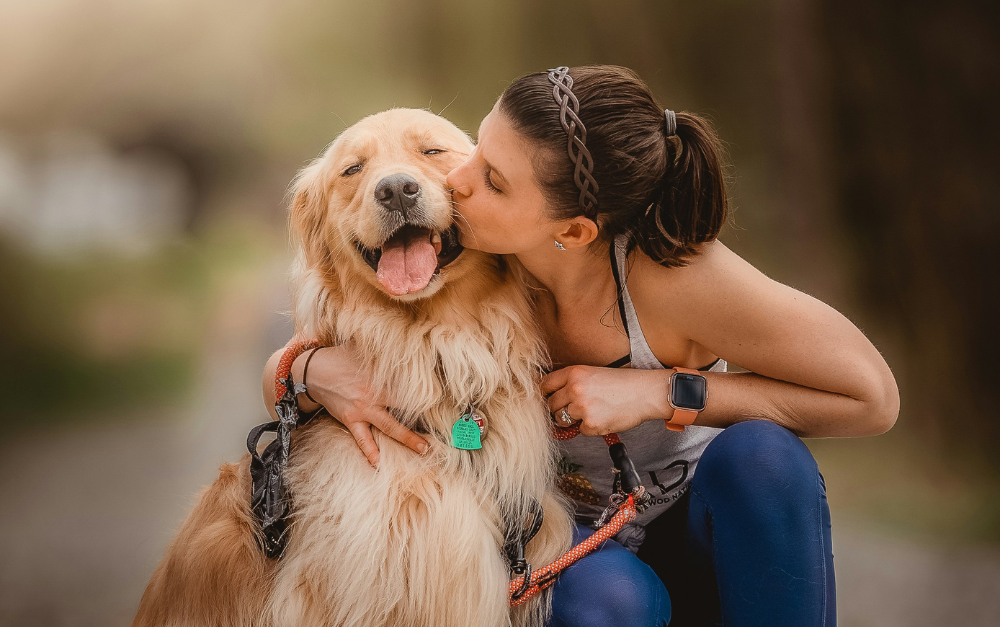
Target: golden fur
417,542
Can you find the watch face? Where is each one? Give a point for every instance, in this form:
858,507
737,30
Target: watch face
688,391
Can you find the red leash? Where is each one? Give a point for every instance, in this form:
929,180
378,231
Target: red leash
521,590
546,575
568,433
285,365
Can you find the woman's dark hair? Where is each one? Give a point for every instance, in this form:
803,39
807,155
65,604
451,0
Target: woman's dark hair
667,194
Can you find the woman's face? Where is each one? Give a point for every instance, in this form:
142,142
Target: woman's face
502,208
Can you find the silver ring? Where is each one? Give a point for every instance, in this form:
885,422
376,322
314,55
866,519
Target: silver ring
564,416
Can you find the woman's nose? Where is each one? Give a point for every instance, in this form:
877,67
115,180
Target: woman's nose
454,180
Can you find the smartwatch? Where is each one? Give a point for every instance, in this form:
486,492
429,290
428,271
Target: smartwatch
688,396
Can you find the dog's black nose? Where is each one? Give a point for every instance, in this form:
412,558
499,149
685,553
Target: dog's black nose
398,192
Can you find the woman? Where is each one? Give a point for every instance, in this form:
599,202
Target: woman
613,206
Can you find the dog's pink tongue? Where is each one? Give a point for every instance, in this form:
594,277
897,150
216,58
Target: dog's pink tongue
406,266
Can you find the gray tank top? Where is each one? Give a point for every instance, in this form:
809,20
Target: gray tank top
665,459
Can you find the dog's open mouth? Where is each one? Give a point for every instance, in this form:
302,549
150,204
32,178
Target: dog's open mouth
408,260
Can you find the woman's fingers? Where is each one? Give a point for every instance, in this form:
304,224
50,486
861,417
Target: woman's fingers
338,382
362,432
560,421
587,429
559,378
559,399
388,425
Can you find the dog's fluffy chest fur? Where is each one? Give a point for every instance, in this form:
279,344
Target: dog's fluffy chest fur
421,524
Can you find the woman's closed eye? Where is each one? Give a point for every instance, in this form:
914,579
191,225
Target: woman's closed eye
489,182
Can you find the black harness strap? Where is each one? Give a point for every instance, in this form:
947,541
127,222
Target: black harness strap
518,537
269,496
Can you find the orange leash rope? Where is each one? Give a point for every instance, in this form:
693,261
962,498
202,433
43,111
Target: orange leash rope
285,365
546,575
568,433
539,580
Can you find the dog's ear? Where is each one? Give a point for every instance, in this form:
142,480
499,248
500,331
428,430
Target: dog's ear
308,212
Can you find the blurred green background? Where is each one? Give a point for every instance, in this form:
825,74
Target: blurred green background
145,148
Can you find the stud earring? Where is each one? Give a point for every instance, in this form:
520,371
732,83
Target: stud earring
559,245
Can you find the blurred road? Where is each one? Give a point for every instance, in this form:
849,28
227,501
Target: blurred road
885,582
87,510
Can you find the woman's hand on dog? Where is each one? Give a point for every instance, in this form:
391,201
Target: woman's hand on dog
606,400
338,381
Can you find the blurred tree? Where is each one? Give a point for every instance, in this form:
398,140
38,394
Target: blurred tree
51,316
916,90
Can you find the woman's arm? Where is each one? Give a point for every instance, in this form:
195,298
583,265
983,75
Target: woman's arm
338,382
812,370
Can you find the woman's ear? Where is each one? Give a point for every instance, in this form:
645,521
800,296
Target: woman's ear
578,232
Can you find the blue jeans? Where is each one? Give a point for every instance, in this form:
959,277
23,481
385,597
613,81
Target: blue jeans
749,545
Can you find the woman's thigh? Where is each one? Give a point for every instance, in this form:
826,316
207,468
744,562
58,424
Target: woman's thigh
611,586
750,544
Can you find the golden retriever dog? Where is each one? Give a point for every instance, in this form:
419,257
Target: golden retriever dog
419,541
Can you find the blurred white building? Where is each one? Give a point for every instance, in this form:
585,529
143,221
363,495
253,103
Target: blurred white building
70,192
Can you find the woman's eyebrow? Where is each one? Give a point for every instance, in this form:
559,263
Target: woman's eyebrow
498,173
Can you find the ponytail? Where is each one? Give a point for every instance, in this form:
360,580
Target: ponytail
691,205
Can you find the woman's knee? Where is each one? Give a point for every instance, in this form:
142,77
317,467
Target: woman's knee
758,513
755,455
610,587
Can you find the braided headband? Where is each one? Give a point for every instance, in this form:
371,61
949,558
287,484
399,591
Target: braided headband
576,133
569,117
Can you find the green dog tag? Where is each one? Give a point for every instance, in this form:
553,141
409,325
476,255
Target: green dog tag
465,434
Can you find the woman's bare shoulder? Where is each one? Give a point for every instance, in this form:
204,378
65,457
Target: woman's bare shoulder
709,278
719,301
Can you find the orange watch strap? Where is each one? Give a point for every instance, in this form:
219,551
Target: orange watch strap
681,417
